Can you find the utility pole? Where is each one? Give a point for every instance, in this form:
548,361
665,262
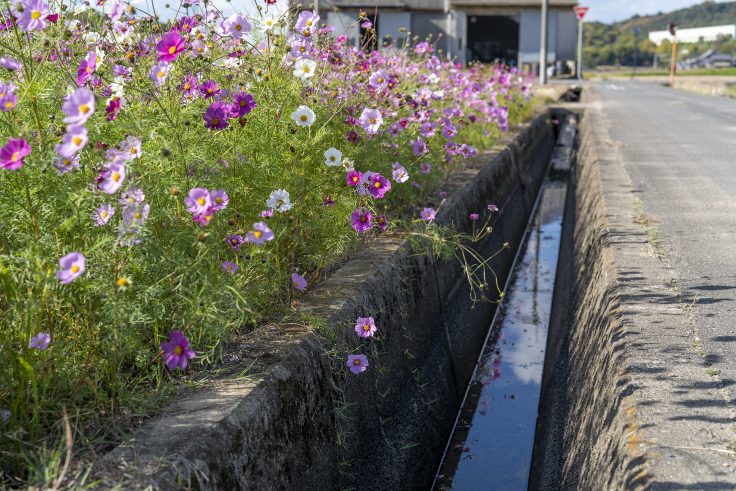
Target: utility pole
636,47
543,44
448,30
673,58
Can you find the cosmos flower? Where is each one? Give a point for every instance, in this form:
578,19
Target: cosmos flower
170,46
236,25
279,200
399,173
333,157
216,116
73,141
229,267
243,103
381,222
35,15
64,165
298,282
210,89
40,341
8,97
354,178
425,167
303,116
136,214
87,68
304,68
13,153
378,80
234,241
360,219
493,208
378,185
177,350
159,73
114,104
132,196
198,201
79,106
103,214
307,23
474,216
220,199
111,177
131,148
365,327
357,363
10,63
370,120
428,214
419,147
72,267
260,234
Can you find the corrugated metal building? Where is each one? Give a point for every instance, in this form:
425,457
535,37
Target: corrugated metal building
470,30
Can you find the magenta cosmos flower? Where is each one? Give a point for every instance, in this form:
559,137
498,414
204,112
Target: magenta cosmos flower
177,350
170,46
216,116
8,97
299,282
365,327
360,219
378,185
357,363
79,106
243,103
428,214
354,178
72,267
260,234
13,153
370,120
86,68
209,89
40,341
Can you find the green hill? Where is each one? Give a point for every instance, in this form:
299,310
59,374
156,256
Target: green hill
614,44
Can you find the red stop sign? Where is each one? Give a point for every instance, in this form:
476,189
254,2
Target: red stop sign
580,11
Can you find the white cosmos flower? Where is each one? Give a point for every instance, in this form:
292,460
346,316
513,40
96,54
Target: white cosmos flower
333,157
303,116
268,22
348,165
91,37
304,68
279,200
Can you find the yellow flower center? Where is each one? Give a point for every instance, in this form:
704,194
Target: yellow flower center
377,184
373,120
116,176
137,214
35,15
215,121
161,74
77,140
218,200
67,163
75,269
103,214
356,362
257,234
303,117
84,108
9,104
380,80
238,27
309,23
15,156
200,201
279,203
364,219
178,351
187,86
172,50
123,282
367,327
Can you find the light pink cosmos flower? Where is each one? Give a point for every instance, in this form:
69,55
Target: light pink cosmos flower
370,120
299,282
79,106
111,177
365,327
86,68
35,15
236,26
428,214
198,201
40,341
357,363
73,141
72,267
13,153
159,73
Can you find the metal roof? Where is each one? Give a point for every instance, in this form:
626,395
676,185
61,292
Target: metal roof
439,4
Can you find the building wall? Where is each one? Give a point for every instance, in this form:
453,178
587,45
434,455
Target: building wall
695,34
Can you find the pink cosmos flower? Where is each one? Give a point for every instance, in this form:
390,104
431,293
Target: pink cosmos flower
35,15
299,282
216,116
72,267
378,185
40,341
354,178
425,167
370,120
210,89
234,241
73,141
243,103
79,106
493,208
8,97
219,199
236,26
170,46
357,363
365,327
198,201
360,220
113,108
13,153
111,177
159,73
399,173
474,216
381,222
419,147
428,214
87,68
260,234
64,165
177,350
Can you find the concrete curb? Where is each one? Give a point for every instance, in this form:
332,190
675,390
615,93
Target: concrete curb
634,373
297,420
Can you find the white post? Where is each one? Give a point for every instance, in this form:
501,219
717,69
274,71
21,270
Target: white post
579,65
448,30
543,44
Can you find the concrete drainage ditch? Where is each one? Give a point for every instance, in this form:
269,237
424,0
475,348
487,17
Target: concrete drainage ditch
293,421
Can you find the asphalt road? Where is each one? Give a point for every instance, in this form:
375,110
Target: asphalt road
679,150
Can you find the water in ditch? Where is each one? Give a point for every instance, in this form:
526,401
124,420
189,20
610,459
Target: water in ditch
491,446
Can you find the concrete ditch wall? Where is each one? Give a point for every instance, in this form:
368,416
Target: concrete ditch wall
296,420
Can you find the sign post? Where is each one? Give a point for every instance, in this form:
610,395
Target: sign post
580,12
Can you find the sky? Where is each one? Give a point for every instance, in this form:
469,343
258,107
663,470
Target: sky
614,10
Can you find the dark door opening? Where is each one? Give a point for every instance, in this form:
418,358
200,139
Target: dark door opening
493,37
